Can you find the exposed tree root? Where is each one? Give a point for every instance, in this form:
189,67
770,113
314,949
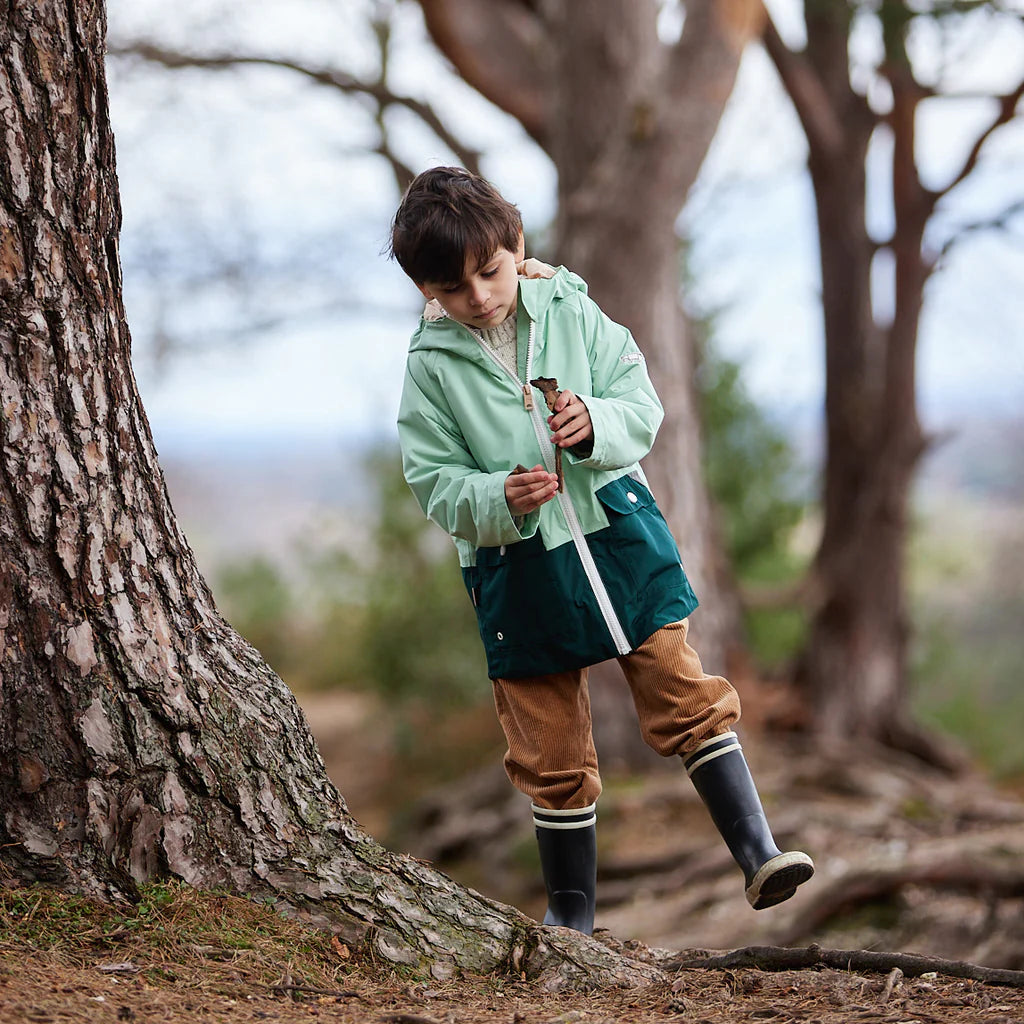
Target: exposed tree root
927,745
947,875
780,958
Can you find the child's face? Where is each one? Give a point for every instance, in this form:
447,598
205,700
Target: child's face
486,295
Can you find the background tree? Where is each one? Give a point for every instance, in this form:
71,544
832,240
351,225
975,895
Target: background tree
854,667
140,736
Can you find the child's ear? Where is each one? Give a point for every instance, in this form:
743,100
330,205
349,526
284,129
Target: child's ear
425,291
520,249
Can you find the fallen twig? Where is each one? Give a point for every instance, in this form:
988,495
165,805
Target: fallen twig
781,958
312,990
893,982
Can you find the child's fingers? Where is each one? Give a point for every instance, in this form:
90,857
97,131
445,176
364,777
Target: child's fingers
582,432
532,478
569,411
564,399
529,489
521,506
573,430
541,498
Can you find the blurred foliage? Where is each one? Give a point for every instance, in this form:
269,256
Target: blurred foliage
259,597
967,568
750,469
759,491
420,636
390,616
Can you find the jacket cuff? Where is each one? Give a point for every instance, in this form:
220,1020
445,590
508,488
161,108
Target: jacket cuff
598,456
527,525
500,526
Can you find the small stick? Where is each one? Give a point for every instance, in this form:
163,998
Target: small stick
338,993
893,982
549,387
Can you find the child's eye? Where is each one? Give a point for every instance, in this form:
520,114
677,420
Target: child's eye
451,289
491,272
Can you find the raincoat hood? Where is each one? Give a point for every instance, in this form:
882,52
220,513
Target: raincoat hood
438,330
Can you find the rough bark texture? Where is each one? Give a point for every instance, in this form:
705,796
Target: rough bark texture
139,734
854,667
627,120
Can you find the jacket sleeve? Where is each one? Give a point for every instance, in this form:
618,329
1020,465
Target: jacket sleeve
624,408
450,488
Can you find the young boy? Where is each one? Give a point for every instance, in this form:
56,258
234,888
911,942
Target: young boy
560,579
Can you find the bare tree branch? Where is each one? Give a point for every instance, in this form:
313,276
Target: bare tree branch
501,49
381,25
1007,112
1000,222
333,78
718,30
821,121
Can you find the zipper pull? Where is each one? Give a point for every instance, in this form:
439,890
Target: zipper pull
527,398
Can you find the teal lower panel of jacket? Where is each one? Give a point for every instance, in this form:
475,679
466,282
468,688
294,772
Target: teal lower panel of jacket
537,612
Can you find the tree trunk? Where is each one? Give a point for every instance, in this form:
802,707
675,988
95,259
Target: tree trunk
854,667
140,736
856,632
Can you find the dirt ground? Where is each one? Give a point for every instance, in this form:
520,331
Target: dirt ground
39,990
907,861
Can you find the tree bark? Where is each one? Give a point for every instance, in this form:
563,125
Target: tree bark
140,736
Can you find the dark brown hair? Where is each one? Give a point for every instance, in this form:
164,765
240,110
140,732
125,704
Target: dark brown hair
447,216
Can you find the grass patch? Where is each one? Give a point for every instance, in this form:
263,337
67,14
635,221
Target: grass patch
214,940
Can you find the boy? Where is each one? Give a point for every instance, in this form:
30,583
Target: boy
560,579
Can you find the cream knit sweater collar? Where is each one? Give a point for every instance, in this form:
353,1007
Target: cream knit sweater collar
503,340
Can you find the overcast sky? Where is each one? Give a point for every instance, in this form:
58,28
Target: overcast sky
203,156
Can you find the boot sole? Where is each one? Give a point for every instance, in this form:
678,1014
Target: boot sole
778,878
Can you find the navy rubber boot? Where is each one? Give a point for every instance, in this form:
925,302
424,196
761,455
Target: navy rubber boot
720,775
567,841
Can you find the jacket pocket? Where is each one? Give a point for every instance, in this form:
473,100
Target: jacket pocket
640,542
512,589
625,496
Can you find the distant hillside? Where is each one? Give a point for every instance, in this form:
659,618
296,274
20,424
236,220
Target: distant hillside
237,496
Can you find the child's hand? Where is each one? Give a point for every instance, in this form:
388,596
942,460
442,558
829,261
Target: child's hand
570,421
527,491
532,268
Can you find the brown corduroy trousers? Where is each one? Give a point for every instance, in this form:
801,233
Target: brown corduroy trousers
551,756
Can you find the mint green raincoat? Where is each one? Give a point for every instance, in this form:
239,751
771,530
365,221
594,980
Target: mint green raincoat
593,572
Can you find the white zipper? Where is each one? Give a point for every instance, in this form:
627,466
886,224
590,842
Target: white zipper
572,520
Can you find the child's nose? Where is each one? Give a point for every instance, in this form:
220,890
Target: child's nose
480,295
